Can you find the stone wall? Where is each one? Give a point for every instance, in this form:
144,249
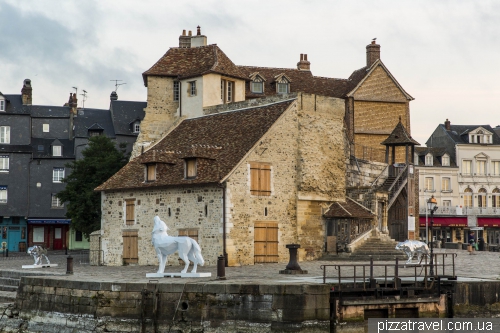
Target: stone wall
197,207
56,305
159,114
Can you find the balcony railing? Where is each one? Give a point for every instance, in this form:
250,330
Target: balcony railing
463,211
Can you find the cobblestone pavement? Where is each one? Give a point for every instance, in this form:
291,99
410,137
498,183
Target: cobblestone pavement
481,265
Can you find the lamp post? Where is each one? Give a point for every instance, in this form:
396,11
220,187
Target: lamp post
432,207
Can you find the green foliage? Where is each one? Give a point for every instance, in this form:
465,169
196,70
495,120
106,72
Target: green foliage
101,160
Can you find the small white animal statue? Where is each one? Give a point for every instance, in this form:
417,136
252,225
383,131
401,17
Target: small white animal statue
164,245
38,252
410,247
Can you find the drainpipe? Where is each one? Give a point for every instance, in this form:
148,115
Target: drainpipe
180,99
224,253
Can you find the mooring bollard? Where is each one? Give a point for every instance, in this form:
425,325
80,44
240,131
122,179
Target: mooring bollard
293,265
69,265
221,268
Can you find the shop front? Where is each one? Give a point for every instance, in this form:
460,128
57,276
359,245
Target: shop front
13,234
50,233
445,229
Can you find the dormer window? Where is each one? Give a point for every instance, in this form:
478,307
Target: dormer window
151,172
282,84
428,160
481,136
136,126
2,105
190,168
56,150
95,132
445,160
415,159
226,91
257,83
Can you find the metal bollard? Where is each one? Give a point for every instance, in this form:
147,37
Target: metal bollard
7,252
69,265
221,268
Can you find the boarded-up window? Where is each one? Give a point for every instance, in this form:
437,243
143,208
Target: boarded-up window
192,233
130,248
151,172
191,168
266,242
260,179
130,211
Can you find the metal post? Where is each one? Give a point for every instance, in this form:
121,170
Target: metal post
221,268
69,265
431,271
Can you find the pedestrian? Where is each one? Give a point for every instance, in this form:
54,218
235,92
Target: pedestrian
472,242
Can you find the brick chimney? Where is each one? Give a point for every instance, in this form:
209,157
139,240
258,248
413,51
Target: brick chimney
447,125
184,41
303,64
372,53
73,103
26,92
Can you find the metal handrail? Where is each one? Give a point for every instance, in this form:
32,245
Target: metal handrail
361,280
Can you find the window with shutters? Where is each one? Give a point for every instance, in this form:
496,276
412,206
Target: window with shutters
151,172
129,211
190,168
57,175
4,163
4,134
191,233
260,179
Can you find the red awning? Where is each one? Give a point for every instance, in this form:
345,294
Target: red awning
488,222
445,221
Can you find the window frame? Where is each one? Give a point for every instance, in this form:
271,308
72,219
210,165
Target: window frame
464,163
4,163
4,194
57,151
260,179
56,174
446,181
176,91
136,127
480,167
280,85
2,105
4,134
429,160
46,128
55,202
189,232
190,168
192,88
252,87
468,198
429,181
445,160
151,172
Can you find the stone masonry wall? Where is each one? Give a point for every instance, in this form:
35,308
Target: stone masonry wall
379,87
198,207
278,148
64,306
159,113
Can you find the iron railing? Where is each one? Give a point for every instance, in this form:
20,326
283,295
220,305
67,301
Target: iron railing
362,276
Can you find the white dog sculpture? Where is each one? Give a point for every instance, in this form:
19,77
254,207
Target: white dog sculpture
38,252
410,247
164,245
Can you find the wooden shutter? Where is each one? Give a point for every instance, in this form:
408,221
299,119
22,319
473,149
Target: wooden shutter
130,211
191,168
151,171
130,248
191,233
260,179
265,242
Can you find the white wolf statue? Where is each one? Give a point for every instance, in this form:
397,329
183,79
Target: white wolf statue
164,245
410,247
38,252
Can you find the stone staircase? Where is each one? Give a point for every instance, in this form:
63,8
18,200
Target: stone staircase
380,247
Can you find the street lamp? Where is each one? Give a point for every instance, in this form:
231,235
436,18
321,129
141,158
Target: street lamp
432,207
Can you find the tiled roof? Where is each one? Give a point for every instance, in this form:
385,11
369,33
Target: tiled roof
125,112
437,153
46,148
15,105
44,111
459,133
301,81
218,141
348,209
190,62
399,137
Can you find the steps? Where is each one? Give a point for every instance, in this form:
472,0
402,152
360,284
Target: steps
9,282
380,248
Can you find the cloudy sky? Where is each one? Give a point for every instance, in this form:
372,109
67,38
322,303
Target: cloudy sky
444,53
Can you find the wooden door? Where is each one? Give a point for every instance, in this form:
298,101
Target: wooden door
130,252
58,243
266,242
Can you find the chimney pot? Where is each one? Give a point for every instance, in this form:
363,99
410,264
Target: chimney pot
447,125
27,92
305,57
113,96
303,64
184,32
190,33
301,57
198,31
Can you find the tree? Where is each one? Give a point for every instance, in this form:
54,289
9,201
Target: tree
101,160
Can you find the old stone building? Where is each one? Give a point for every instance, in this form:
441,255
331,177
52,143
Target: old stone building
248,159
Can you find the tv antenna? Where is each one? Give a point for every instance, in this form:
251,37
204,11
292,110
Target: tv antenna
84,98
118,84
76,90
